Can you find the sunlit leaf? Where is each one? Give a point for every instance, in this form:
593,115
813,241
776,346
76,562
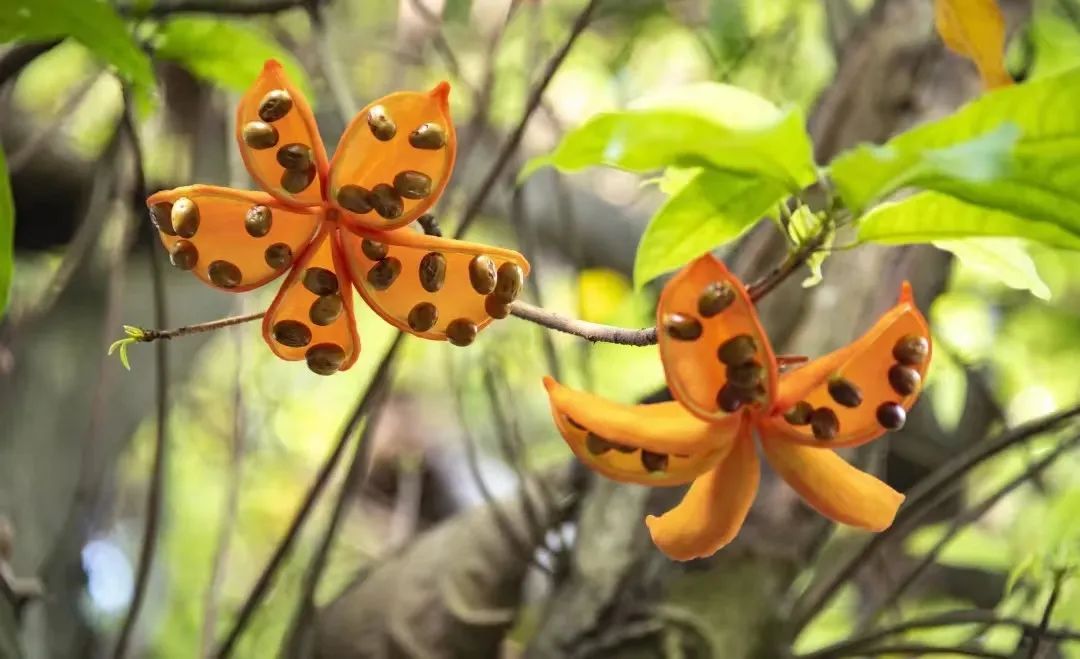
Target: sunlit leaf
976,30
601,292
1003,259
7,235
802,226
947,388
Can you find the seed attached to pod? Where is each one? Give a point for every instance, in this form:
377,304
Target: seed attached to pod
275,105
482,274
746,376
737,350
291,333
412,185
891,416
326,309
260,135
295,156
184,255
911,350
383,273
824,423
508,281
429,136
461,332
296,181
597,445
374,250
904,380
224,274
799,415
278,256
257,221
653,461
386,201
496,309
682,327
185,217
716,297
845,392
729,399
320,281
432,271
160,215
423,317
354,198
380,123
325,358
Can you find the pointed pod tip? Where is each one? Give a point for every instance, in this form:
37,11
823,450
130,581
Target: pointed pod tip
441,94
271,65
906,294
550,383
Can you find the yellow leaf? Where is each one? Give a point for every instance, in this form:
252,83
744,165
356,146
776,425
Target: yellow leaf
601,292
976,30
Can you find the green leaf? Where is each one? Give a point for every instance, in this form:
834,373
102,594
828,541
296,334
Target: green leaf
803,225
710,209
94,23
1003,259
7,235
227,53
706,124
1016,150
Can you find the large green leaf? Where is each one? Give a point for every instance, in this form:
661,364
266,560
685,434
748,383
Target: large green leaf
7,235
706,124
226,53
712,208
1003,259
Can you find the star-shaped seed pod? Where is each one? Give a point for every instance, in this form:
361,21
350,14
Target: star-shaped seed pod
333,225
727,387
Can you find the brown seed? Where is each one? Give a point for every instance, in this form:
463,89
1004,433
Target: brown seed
432,271
824,423
380,123
746,376
374,250
461,332
383,273
716,297
682,327
845,392
278,256
423,317
291,333
184,255
891,416
653,461
275,105
412,185
224,274
160,216
185,217
508,282
482,274
729,399
904,380
911,350
296,157
737,350
326,309
799,415
260,135
597,445
320,281
494,308
257,221
428,136
354,198
325,358
296,181
386,201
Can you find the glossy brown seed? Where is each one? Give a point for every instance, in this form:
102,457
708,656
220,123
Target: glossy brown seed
597,445
380,123
258,220
275,105
374,250
423,317
354,198
729,399
508,281
495,308
184,255
326,309
296,157
383,273
746,376
260,135
824,423
325,358
320,281
224,274
432,271
653,461
160,215
911,350
386,201
799,415
291,333
682,327
891,416
904,380
461,332
716,297
278,256
737,350
482,274
428,136
412,185
296,181
845,392
185,217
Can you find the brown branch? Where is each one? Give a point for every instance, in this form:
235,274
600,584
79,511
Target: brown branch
149,335
589,331
1048,611
215,7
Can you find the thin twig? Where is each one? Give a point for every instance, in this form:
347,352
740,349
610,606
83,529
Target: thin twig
922,649
1048,611
589,331
215,7
149,335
